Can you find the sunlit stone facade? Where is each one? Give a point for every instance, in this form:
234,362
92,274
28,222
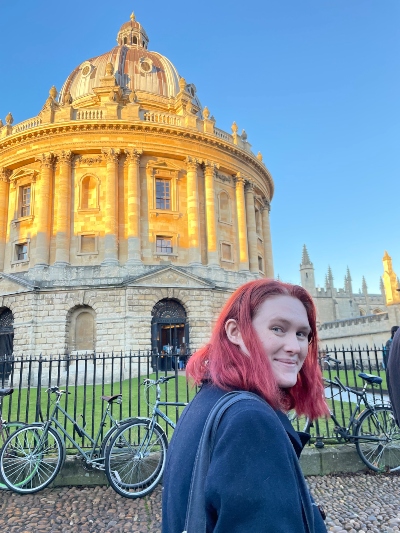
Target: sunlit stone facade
120,194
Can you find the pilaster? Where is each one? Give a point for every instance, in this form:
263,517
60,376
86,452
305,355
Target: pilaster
134,244
212,240
242,229
43,209
193,211
4,191
268,259
251,227
63,198
111,232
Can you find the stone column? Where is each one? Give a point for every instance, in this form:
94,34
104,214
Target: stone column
242,229
43,205
63,198
111,217
193,211
269,264
251,227
134,245
4,191
212,241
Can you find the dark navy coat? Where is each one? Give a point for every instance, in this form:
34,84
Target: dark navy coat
250,486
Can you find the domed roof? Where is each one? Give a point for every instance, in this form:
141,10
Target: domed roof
135,68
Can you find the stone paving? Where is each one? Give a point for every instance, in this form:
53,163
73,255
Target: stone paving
355,503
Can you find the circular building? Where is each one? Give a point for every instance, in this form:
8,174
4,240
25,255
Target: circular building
126,216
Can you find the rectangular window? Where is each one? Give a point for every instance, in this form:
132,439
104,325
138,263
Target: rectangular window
21,251
25,201
260,264
163,194
226,252
88,244
164,245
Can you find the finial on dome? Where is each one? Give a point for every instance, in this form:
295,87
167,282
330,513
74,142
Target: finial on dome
53,92
9,119
206,113
182,84
259,156
132,17
234,127
109,69
1,123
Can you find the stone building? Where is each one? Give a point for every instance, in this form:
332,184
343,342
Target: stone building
347,318
126,216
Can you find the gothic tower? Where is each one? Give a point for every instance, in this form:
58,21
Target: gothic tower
307,273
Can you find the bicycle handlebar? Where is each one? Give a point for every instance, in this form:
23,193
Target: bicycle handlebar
56,390
163,379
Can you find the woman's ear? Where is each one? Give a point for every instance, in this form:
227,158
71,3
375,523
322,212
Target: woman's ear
234,335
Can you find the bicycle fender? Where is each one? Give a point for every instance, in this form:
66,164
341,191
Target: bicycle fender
366,410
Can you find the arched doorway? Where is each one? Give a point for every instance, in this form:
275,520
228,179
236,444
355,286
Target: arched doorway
6,343
169,327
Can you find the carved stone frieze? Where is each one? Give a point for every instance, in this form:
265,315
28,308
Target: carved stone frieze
90,160
223,178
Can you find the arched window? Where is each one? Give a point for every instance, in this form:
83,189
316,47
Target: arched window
224,207
89,193
362,312
258,222
134,39
82,330
376,311
125,40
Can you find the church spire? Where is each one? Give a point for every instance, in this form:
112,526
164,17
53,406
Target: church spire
306,258
329,279
307,272
364,286
348,286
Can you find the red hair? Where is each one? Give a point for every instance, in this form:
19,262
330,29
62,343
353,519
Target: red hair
226,366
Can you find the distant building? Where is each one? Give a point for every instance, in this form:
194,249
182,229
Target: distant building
349,318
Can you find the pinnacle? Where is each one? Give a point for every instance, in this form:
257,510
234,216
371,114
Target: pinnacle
306,258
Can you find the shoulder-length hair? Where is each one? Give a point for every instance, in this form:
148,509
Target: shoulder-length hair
223,363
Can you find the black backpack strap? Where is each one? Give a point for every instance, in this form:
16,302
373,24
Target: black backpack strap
196,510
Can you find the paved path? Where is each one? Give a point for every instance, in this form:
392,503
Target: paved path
355,503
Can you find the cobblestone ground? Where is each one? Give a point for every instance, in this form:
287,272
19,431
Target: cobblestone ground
355,503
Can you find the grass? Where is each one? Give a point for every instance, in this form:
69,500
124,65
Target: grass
350,378
86,401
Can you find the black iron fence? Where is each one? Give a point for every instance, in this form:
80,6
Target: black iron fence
90,376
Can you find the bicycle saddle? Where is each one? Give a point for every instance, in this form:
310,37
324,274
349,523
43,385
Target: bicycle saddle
110,399
370,378
6,392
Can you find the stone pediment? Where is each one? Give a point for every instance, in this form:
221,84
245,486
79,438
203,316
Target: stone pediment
11,285
171,277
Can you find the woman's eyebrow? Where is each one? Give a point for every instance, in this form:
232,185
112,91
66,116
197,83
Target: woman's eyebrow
286,322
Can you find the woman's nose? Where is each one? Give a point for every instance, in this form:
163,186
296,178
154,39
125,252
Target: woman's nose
292,344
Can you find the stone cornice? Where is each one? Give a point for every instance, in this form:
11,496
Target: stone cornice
43,132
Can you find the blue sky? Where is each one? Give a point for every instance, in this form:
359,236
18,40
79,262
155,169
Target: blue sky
315,84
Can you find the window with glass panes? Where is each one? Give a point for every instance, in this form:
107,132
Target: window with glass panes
163,194
22,251
164,245
26,201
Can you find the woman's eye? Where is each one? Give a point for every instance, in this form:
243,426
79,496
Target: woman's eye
301,334
277,329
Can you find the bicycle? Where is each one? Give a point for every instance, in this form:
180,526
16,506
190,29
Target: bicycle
135,458
32,457
374,431
6,428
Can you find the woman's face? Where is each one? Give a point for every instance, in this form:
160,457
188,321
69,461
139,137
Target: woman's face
282,327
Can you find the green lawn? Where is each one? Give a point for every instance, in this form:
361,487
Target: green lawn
84,403
351,379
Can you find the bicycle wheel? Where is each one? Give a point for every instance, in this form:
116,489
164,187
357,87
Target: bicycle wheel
31,458
6,429
300,423
110,433
135,459
379,446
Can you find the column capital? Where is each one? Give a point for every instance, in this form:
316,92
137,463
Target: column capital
5,174
111,154
210,166
133,156
249,185
46,160
65,157
192,163
239,180
266,205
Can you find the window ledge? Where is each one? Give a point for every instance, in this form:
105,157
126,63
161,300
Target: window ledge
22,219
20,262
227,261
87,253
88,209
168,212
225,222
158,254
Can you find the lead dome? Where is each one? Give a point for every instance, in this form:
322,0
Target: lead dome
136,69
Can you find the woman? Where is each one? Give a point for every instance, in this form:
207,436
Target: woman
265,342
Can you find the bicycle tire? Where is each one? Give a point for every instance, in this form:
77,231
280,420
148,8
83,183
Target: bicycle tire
300,423
7,428
110,433
135,459
31,458
383,454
